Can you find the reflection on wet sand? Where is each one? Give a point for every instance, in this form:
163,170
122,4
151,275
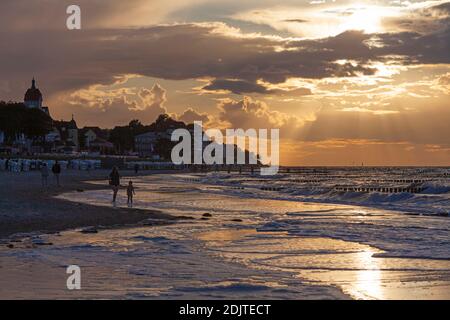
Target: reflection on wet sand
368,281
348,265
254,249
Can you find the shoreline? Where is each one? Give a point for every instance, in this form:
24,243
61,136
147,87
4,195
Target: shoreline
254,238
25,207
138,233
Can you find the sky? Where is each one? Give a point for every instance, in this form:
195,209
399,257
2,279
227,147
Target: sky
346,82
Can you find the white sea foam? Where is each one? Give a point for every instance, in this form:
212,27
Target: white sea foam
431,186
255,244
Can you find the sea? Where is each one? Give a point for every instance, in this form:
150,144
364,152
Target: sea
306,233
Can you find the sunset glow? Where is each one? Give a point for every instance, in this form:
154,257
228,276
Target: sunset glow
250,152
374,71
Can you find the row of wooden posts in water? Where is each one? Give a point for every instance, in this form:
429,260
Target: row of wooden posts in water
362,189
380,189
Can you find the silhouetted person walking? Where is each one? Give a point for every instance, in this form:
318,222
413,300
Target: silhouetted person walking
114,181
56,169
44,175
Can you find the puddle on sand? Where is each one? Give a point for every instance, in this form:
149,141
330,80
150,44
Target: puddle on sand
350,266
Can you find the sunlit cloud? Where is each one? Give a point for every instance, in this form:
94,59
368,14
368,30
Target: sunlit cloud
325,19
332,75
321,21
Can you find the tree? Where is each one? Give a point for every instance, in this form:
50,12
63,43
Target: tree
36,123
16,118
135,125
163,147
123,136
10,119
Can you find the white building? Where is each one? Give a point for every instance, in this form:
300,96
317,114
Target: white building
145,143
90,136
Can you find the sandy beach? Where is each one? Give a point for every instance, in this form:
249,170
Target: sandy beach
211,236
25,206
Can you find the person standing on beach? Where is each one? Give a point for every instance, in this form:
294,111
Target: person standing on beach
56,169
114,181
44,175
130,193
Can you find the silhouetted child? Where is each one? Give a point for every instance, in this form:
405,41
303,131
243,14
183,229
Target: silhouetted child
130,193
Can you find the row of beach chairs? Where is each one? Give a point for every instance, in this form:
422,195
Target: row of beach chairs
23,165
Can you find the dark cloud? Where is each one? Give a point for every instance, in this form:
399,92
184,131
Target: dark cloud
67,60
425,20
235,86
242,87
437,12
296,20
51,14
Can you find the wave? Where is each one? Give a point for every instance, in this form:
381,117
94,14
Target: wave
417,190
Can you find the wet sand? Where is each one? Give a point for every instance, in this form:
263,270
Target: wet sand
351,266
245,248
25,206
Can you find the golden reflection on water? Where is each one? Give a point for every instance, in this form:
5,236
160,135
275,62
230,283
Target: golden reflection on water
352,266
348,265
368,278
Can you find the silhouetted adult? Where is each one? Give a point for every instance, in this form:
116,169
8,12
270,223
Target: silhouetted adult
44,175
56,169
114,182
